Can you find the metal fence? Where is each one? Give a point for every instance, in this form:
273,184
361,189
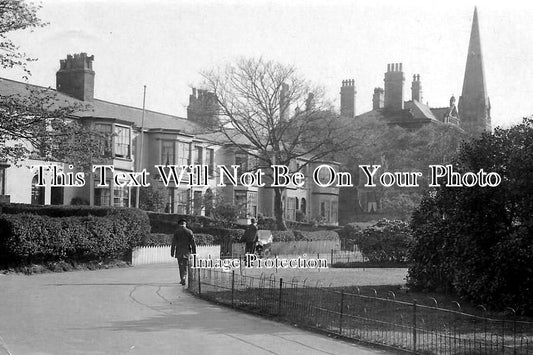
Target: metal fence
365,316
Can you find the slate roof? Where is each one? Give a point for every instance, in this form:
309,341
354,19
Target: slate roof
110,110
414,114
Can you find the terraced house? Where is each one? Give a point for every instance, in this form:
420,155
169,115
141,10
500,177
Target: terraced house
137,139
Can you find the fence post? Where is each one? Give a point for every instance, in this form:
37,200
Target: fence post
280,289
331,260
340,316
414,326
232,287
199,283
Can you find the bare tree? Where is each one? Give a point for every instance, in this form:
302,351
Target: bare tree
269,111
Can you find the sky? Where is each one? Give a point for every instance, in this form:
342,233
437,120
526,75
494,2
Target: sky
166,44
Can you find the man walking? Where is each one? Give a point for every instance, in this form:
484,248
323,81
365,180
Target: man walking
182,246
250,237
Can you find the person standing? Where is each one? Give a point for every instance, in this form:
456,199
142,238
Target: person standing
250,237
182,246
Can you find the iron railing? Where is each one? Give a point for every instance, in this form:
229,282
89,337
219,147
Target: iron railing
364,315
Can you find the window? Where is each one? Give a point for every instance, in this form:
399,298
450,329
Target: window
240,202
210,157
291,209
197,201
246,201
122,142
102,196
167,153
184,150
121,196
334,211
182,202
37,192
104,138
325,210
2,181
198,156
303,205
252,204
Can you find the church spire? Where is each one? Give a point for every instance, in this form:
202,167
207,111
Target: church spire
474,104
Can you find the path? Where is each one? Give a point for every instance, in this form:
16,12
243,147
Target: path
138,310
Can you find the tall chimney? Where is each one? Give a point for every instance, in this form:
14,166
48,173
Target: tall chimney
378,100
348,93
416,89
75,76
394,79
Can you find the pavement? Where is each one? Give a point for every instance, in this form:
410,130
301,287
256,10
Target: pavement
138,310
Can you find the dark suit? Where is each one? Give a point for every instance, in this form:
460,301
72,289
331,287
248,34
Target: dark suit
250,238
182,246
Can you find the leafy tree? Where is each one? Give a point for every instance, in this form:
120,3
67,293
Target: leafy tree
398,149
477,240
254,99
154,197
35,122
16,15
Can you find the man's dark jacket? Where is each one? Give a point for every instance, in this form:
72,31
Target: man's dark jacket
250,235
183,243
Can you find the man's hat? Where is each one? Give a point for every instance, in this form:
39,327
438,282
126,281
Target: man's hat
182,221
252,220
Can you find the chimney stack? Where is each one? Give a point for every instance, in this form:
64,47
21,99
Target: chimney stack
348,93
75,76
378,101
416,89
394,79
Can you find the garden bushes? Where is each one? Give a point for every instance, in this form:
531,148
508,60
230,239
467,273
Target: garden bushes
157,239
30,238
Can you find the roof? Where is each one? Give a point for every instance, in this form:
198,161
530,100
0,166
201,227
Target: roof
419,111
414,114
105,109
440,112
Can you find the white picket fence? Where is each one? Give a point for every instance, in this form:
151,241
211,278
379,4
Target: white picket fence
161,254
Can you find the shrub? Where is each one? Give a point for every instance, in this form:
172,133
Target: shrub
349,234
157,239
477,240
168,222
283,236
267,223
385,241
27,238
77,201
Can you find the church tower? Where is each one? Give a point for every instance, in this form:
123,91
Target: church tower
474,104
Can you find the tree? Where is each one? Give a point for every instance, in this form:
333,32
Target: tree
477,240
35,122
254,99
398,149
154,197
16,15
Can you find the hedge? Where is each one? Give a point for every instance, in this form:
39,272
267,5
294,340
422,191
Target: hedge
59,210
168,222
157,239
27,238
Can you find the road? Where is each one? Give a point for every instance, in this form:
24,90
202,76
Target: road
140,310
